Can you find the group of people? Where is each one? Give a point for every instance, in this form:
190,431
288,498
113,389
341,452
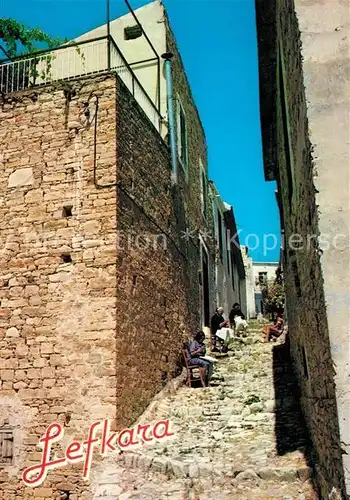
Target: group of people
218,322
197,349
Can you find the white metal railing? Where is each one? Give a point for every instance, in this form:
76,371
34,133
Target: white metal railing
67,62
121,67
73,61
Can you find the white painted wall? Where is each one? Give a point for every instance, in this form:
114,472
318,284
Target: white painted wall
249,284
226,295
204,248
243,297
152,19
267,267
260,267
92,57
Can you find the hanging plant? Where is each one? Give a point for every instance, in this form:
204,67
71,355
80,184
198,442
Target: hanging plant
19,39
273,297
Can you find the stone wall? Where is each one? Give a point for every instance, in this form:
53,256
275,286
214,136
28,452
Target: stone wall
157,286
249,283
309,270
58,320
96,289
190,181
325,51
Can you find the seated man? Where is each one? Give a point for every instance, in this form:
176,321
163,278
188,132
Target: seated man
197,349
273,331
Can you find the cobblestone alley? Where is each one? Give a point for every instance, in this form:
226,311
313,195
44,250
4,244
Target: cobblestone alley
240,438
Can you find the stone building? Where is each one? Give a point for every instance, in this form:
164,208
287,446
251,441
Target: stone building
304,68
229,272
249,282
257,273
263,272
234,256
107,250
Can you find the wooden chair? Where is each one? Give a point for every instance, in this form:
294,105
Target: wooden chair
220,346
191,368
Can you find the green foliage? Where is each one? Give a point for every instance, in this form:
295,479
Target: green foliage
16,36
273,297
19,40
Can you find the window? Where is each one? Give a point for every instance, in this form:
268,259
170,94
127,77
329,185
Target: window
182,136
132,32
262,278
204,189
6,445
205,288
233,265
67,211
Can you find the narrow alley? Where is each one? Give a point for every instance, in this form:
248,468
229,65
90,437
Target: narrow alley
174,170
241,438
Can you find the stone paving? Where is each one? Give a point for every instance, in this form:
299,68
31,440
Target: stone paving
240,438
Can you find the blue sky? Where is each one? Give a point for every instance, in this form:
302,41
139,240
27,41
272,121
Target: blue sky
217,41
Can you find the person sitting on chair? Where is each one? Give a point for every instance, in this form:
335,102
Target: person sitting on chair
217,322
235,311
197,349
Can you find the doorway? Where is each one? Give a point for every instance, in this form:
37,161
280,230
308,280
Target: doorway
205,288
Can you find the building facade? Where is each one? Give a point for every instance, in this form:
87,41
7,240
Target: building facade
263,272
229,267
107,264
304,67
250,283
237,269
90,271
257,274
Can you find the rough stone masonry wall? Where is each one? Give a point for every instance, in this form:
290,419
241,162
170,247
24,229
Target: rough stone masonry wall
57,330
311,320
190,183
325,48
96,337
196,137
156,276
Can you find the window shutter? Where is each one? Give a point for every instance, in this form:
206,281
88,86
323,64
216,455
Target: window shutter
6,445
178,128
185,142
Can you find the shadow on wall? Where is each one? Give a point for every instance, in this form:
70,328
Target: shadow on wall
290,428
156,289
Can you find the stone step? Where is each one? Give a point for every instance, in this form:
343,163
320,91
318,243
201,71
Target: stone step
193,469
110,491
228,435
107,497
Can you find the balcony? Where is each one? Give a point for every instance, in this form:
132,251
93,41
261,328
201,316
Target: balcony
73,61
